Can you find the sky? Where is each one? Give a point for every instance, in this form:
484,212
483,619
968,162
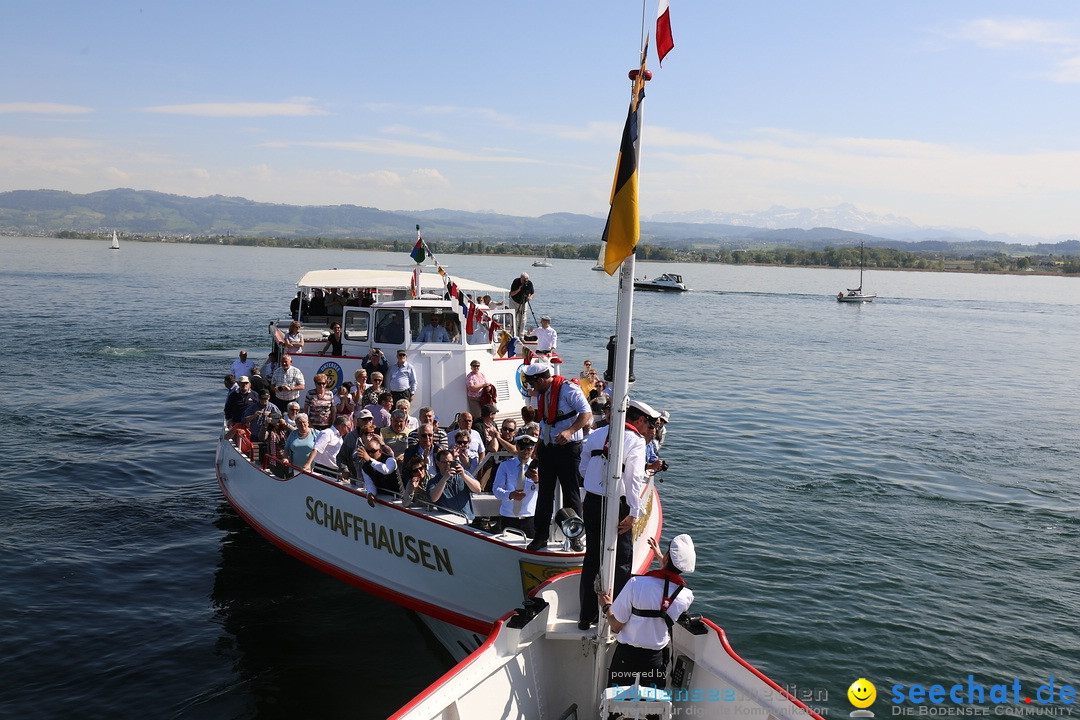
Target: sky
959,114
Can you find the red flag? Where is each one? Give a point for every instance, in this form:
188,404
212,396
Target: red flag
664,41
470,323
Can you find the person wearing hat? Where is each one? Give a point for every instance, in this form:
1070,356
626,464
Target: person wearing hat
240,400
661,429
563,413
260,418
546,337
643,613
434,330
521,293
593,467
401,382
346,458
242,366
515,485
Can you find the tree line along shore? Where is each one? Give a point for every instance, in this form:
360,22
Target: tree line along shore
877,258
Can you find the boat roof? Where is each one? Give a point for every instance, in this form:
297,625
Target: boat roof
387,279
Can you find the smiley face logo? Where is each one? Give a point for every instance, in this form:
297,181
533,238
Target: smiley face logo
862,693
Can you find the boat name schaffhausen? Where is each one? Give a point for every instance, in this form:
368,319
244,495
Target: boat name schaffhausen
379,536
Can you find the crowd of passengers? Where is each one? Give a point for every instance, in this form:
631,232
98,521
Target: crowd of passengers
368,436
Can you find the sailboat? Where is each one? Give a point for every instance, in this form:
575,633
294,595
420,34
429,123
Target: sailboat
600,258
115,242
538,662
856,295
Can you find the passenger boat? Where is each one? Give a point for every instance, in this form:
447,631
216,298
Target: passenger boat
461,579
668,282
856,295
539,663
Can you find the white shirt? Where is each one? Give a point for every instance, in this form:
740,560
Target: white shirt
326,447
242,367
646,593
633,476
506,482
546,338
384,467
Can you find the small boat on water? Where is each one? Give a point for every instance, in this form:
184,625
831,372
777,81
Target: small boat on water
115,245
459,577
542,263
856,295
668,282
600,257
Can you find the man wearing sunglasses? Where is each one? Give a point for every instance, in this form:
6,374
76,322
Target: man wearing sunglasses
563,413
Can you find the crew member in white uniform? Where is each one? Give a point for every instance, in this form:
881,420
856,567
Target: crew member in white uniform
643,613
594,454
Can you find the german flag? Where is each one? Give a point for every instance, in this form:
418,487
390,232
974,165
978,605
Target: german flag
622,230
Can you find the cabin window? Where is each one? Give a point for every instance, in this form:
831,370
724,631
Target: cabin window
390,327
481,334
356,325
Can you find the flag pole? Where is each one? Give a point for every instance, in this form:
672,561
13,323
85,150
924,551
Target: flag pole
613,471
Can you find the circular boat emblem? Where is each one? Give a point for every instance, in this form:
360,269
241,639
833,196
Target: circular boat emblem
519,379
333,374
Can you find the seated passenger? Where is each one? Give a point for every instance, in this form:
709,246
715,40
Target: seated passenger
422,445
452,487
517,489
426,416
470,438
433,331
452,329
378,469
381,410
395,436
416,480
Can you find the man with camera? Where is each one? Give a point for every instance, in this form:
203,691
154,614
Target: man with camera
452,487
640,417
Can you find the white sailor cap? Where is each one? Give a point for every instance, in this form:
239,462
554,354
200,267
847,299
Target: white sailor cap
681,553
645,409
537,368
524,438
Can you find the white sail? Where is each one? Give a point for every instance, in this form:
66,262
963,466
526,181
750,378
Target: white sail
115,242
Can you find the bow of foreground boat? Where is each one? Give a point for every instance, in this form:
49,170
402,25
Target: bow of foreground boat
538,664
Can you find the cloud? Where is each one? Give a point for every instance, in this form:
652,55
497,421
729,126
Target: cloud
296,107
43,108
381,146
999,33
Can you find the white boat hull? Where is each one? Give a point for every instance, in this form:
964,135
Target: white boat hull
855,298
540,667
423,559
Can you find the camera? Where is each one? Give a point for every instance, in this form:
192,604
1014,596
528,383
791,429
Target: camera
663,466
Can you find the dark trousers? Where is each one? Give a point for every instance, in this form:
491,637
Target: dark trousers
524,524
558,465
593,507
629,661
401,394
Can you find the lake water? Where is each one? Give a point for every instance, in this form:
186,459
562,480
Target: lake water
885,491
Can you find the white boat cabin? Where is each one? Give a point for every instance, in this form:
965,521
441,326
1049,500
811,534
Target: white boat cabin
390,321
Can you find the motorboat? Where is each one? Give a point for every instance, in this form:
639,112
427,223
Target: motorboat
668,282
460,578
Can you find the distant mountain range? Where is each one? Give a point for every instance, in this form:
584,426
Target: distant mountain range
145,212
